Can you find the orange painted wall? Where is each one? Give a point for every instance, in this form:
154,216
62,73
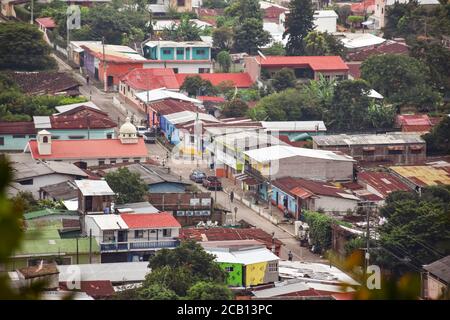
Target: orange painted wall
117,70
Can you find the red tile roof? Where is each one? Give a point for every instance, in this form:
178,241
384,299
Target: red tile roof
97,289
389,47
150,220
223,234
414,122
382,182
240,80
19,127
91,149
151,78
169,106
306,188
46,22
316,63
273,12
43,82
365,5
211,99
82,117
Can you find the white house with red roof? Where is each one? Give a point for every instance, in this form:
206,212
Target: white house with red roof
86,153
304,67
132,237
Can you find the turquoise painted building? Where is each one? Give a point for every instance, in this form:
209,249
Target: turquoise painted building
172,51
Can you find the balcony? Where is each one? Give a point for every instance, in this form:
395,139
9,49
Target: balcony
138,245
254,173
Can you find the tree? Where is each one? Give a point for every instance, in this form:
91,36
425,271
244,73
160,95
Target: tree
355,20
318,94
223,38
349,105
283,79
323,44
277,49
380,116
438,140
209,291
402,80
187,271
281,106
417,231
196,86
235,108
299,22
127,185
215,4
186,30
343,13
23,48
224,60
249,35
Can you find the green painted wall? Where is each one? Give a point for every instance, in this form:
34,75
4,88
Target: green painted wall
235,276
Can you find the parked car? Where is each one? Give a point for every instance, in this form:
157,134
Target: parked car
141,130
197,176
212,183
150,137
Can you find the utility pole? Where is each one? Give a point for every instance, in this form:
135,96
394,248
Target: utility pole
368,206
90,245
78,260
105,80
68,25
269,191
32,12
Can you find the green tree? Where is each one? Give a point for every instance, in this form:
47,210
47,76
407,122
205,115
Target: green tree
438,140
277,49
223,38
355,20
283,79
318,95
235,108
349,105
127,185
299,22
196,86
186,30
18,40
249,35
215,4
224,60
315,44
402,80
281,106
209,291
380,116
343,13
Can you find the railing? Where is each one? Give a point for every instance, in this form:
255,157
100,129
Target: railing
138,245
253,172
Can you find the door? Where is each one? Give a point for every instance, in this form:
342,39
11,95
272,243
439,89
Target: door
88,203
122,236
110,81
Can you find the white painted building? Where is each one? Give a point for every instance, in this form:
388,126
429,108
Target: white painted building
325,20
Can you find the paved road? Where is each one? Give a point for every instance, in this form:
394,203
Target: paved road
243,213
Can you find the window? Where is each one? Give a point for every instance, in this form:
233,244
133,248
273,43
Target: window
18,136
32,136
45,139
175,70
112,161
101,162
137,160
181,3
109,136
229,269
55,137
167,232
273,267
416,151
167,51
152,231
125,160
203,70
75,137
180,51
27,182
192,139
368,152
2,141
138,234
392,152
108,235
201,51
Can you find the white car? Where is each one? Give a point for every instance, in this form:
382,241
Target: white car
141,130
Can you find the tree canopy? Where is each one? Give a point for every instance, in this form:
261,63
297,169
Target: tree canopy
283,79
299,22
196,86
128,185
438,140
235,108
23,48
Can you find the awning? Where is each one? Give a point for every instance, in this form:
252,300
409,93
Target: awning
417,147
369,148
367,23
251,181
396,148
301,193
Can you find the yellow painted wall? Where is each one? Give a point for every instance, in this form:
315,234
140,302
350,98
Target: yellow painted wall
254,273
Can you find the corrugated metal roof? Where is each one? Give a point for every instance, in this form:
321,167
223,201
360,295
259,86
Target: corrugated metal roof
114,272
294,125
244,257
108,221
161,94
368,139
94,188
423,175
283,151
69,107
42,122
187,116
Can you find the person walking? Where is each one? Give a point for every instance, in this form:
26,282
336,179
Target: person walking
290,255
87,79
231,196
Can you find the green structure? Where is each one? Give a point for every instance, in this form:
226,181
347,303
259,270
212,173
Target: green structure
234,271
43,241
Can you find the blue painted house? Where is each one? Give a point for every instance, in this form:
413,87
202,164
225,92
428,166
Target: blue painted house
177,51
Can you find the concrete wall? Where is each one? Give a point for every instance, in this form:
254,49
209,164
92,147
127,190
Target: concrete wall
325,24
45,180
252,67
435,287
191,67
330,204
17,143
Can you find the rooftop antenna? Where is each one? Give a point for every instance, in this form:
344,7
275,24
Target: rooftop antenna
262,55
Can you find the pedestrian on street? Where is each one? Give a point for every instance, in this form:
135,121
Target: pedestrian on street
87,79
290,255
231,196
